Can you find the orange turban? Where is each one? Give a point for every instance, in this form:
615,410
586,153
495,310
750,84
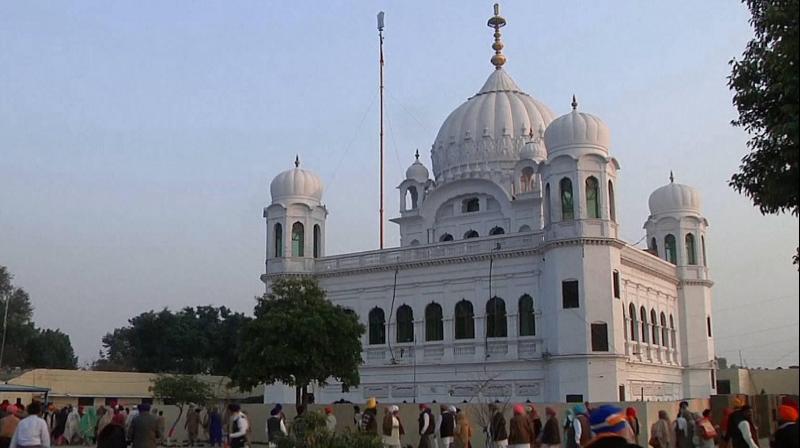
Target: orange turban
739,402
787,413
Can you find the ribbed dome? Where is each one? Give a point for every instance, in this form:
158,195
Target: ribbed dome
296,183
577,129
674,197
484,136
417,172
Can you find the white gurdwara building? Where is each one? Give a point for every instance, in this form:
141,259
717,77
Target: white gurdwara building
511,280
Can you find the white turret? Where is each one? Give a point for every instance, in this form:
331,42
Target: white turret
295,221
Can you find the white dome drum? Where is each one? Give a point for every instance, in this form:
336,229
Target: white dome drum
417,171
296,183
674,197
485,135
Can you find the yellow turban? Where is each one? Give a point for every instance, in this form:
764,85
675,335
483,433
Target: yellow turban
372,403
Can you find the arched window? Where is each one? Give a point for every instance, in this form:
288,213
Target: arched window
547,204
525,228
414,243
527,317
664,331
497,231
465,323
643,317
470,234
691,254
377,327
446,237
592,199
634,323
653,246
434,328
670,249
413,195
298,240
496,318
567,206
654,326
405,324
624,323
526,180
672,331
612,204
470,205
317,241
278,240
703,246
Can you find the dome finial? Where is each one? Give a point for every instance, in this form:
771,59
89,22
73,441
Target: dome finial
671,177
574,102
417,155
297,161
497,22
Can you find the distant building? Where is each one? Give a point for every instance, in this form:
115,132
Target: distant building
753,381
94,388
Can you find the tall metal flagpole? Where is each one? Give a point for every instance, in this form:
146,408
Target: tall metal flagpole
380,35
5,328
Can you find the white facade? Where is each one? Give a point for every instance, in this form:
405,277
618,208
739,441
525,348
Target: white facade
511,280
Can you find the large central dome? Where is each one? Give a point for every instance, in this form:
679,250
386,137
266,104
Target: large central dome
484,136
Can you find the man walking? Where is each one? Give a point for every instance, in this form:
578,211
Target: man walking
32,431
426,427
143,431
192,425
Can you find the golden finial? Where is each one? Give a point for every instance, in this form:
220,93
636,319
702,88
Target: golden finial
497,22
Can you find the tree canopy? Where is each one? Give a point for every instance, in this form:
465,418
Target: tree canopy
298,337
26,345
181,390
766,94
195,340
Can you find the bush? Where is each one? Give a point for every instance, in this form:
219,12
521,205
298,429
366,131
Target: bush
309,431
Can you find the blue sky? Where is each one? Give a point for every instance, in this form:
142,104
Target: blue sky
138,139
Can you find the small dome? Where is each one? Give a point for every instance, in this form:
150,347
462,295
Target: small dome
674,197
296,183
577,129
417,171
534,150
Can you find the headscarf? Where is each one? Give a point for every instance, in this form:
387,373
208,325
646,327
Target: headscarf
328,410
739,402
579,409
569,416
607,419
532,411
519,409
452,409
393,409
549,411
372,403
89,423
787,414
630,412
118,419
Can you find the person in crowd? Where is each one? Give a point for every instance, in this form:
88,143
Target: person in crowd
143,430
89,425
427,427
214,427
192,424
162,427
391,429
50,415
447,426
4,408
32,431
633,422
684,424
583,429
536,422
786,436
662,434
72,432
740,428
571,438
129,416
104,416
8,424
113,434
723,428
57,435
463,430
357,417
330,419
239,426
610,426
369,418
498,434
551,433
704,431
520,430
276,427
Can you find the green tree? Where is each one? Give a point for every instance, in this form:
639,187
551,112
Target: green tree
51,348
298,338
181,390
766,89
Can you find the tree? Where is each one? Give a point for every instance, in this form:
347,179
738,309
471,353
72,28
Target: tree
181,390
27,346
189,341
767,95
298,338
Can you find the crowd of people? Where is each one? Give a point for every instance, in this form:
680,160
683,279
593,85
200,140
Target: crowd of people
582,426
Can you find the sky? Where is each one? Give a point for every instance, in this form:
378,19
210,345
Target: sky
138,139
